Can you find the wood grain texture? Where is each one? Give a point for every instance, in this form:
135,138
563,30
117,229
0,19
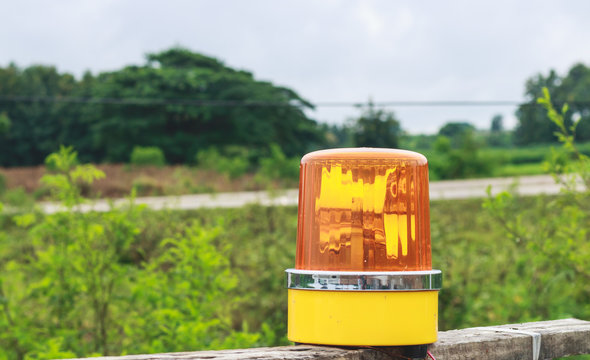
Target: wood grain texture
558,338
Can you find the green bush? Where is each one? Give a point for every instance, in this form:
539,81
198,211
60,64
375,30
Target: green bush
5,123
147,156
446,162
79,284
277,166
233,162
18,199
62,160
553,273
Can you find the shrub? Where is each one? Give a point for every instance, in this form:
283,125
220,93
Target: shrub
72,284
5,123
18,199
233,162
62,160
552,235
466,161
145,156
181,298
277,166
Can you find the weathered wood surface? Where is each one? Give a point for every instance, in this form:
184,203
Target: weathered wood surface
558,338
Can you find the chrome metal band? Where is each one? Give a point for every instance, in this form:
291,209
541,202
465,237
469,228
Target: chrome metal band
364,281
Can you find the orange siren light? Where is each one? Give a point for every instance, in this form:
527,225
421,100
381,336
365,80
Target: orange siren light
363,273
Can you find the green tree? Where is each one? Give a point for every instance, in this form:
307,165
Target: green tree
37,127
553,233
200,103
497,125
575,90
5,123
459,159
376,128
455,130
337,135
202,106
498,136
534,126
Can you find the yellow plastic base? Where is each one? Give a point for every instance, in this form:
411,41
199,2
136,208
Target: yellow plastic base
363,318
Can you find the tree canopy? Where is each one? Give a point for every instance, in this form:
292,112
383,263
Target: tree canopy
179,101
574,88
376,128
455,129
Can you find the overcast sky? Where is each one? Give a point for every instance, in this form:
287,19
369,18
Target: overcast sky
326,50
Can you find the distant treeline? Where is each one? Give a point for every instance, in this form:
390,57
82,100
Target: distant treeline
574,88
179,101
184,103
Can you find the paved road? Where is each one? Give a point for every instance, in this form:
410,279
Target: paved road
451,189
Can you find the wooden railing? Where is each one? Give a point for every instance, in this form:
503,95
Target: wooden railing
535,340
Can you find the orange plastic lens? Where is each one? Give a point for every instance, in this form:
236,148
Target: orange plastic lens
363,210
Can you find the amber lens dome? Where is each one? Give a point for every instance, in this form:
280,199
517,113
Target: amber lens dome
363,209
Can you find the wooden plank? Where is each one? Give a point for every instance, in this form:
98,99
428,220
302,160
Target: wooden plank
558,338
299,352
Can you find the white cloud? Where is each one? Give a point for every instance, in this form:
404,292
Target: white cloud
326,50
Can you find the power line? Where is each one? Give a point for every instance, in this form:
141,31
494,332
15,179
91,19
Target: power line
260,103
423,103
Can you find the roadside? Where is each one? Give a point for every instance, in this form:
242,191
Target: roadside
147,181
439,190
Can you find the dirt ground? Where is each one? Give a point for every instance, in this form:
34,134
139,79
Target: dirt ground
149,181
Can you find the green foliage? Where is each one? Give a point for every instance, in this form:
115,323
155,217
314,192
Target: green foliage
521,155
2,184
278,166
62,161
498,137
5,123
68,177
534,125
376,128
520,170
147,156
466,161
79,284
264,249
418,143
456,130
194,109
180,300
181,129
337,136
486,275
234,165
73,270
497,124
554,233
18,199
32,130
